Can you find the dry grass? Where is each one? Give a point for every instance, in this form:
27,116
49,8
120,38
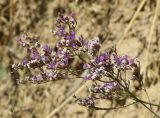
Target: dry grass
136,21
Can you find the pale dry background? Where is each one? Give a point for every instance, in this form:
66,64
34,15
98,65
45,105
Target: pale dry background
106,18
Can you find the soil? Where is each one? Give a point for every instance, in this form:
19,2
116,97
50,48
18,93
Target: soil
135,32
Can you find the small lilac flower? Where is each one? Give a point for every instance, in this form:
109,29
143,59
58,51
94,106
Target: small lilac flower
35,54
86,66
123,62
72,18
92,46
47,49
74,45
88,101
106,90
37,79
72,35
45,59
132,63
88,77
28,50
61,19
18,39
24,62
52,65
111,86
102,58
34,78
60,31
116,60
54,75
67,37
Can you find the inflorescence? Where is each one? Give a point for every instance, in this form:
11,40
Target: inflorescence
106,70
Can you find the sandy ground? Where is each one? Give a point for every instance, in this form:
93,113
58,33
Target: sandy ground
132,25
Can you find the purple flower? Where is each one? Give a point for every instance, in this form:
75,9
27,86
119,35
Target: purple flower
92,46
88,77
28,50
123,62
47,49
37,79
60,31
55,75
45,59
67,37
111,86
74,45
66,20
86,66
72,18
102,58
61,19
132,63
88,101
52,65
117,60
35,54
99,66
18,39
24,62
72,35
34,78
106,90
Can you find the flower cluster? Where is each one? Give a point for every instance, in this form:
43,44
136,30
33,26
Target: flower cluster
105,91
34,59
106,70
107,63
98,67
92,46
88,101
53,65
41,57
66,32
123,62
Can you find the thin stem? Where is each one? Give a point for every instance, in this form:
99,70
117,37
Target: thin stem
79,56
113,108
150,103
146,94
74,69
104,81
76,75
145,90
150,110
132,95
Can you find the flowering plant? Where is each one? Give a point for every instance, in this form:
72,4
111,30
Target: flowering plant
107,71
